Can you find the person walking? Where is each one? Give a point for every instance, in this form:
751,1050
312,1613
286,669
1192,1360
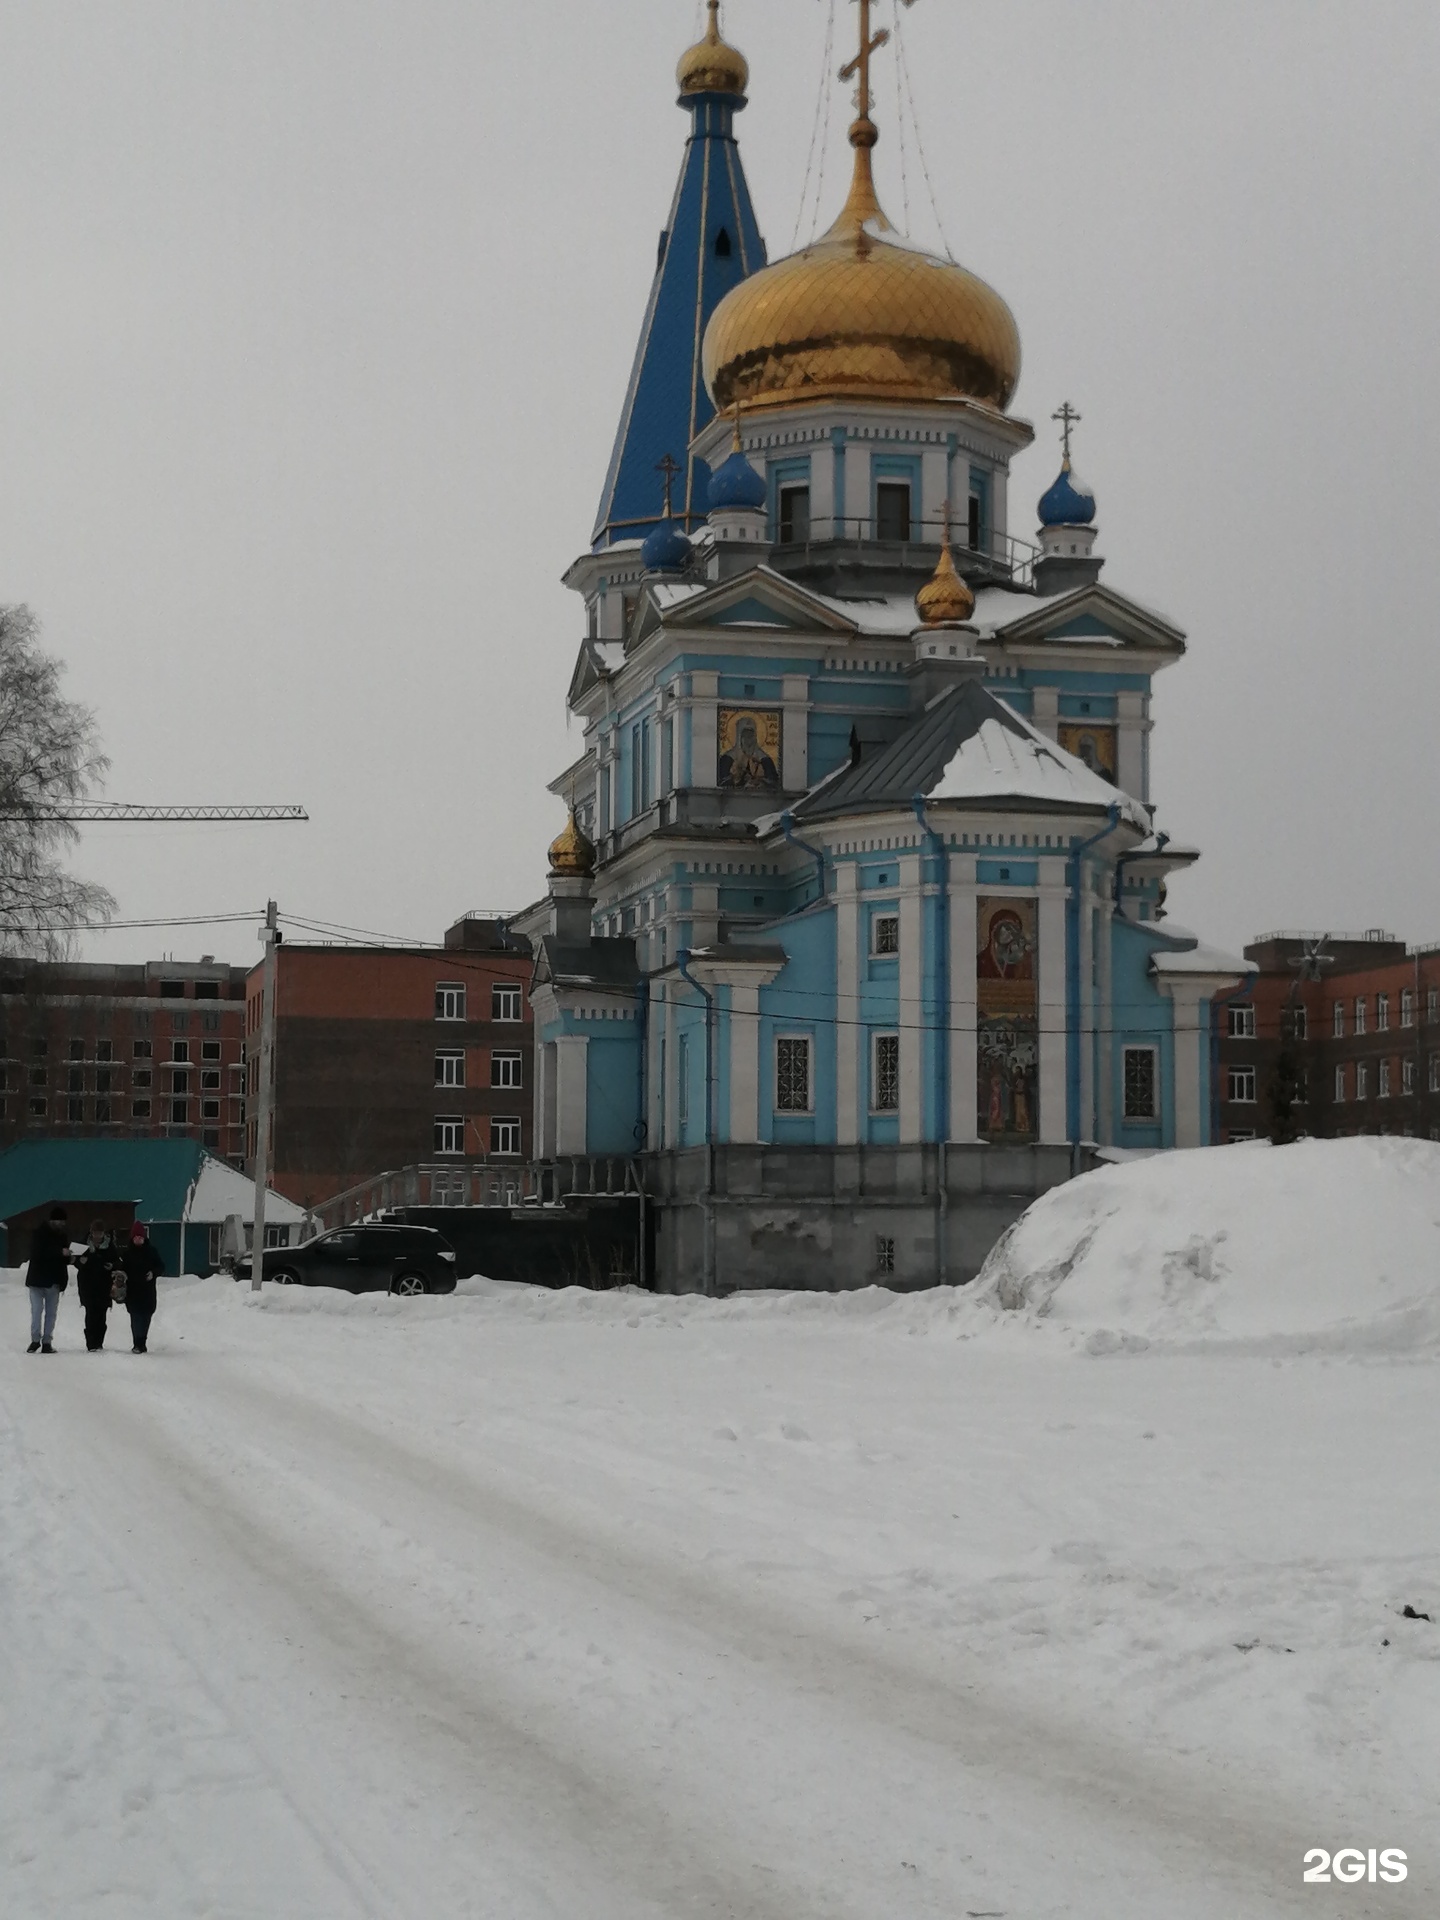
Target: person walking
95,1273
47,1277
141,1263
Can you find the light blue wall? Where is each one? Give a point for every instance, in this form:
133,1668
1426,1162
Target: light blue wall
612,1083
1142,1016
802,1000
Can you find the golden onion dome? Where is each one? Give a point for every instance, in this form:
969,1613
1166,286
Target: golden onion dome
858,317
713,65
945,600
571,854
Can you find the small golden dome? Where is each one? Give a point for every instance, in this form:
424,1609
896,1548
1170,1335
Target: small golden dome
713,66
571,854
945,600
858,317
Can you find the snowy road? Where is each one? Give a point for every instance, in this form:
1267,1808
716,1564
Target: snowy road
528,1605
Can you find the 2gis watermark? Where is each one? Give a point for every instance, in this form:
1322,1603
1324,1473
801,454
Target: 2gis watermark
1351,1865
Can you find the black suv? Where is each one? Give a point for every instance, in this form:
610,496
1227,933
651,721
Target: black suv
364,1259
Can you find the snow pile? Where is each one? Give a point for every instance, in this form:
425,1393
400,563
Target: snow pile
1331,1244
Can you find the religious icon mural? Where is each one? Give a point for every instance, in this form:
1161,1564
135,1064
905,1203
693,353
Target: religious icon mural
1094,745
1007,1022
748,748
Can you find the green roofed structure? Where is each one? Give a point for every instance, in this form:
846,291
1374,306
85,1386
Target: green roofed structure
182,1193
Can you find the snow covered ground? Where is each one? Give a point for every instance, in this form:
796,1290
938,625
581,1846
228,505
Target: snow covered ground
616,1607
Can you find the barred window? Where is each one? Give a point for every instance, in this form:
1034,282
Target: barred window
884,1253
885,933
792,1073
1242,1023
1140,1079
1242,1084
885,1074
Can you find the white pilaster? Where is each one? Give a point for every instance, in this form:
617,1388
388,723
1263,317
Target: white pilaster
795,734
1131,727
744,1019
672,1074
1189,1080
704,718
1105,1026
1045,713
571,1097
1052,1003
912,1007
1087,1009
849,1040
964,1067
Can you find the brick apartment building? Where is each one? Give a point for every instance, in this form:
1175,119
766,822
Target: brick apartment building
1366,1038
387,1057
152,1050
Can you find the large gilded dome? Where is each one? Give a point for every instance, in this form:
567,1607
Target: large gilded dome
859,317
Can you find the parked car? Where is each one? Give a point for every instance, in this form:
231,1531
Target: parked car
363,1259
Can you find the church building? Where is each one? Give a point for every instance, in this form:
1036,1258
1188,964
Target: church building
855,938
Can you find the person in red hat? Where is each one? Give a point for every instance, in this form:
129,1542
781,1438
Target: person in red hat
142,1264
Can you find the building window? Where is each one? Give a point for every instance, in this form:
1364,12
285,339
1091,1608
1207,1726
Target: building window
1242,1023
172,989
38,1076
450,1068
1299,1023
1435,1073
884,1253
885,933
1360,1014
794,516
892,510
1242,1084
180,1081
207,989
76,1111
76,1080
179,1113
505,1069
792,1073
1339,1083
1338,1022
209,1049
449,1001
144,1049
39,1049
1432,1002
209,1109
102,1079
37,1109
505,1135
102,1113
449,1133
505,1003
1407,1075
1407,1007
77,1049
180,1050
1384,1091
885,1073
1140,1076
142,1076
1382,1013
210,1080
1302,1086
1362,1080
104,1050
1241,1134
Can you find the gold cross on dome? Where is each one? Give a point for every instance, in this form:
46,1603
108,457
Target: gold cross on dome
1068,418
670,467
861,63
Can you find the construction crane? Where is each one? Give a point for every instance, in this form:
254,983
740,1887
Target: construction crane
123,810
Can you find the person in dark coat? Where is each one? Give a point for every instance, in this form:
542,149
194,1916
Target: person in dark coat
95,1272
47,1277
141,1264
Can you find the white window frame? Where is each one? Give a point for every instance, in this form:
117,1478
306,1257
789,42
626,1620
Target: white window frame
889,1040
1407,1007
1242,1020
889,918
1384,1079
508,1121
450,1000
1382,1013
1142,1119
1435,1073
450,1128
1339,1082
1407,1074
1359,1013
449,1066
509,994
807,1041
1362,1079
1240,1076
507,1070
210,1050
1337,1020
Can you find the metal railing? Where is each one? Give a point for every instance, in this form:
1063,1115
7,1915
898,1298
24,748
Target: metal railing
483,1183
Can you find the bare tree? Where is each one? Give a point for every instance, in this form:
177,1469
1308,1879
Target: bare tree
49,757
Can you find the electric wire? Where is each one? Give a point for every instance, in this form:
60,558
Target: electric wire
821,116
902,67
900,134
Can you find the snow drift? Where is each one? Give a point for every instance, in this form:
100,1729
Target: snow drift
1327,1243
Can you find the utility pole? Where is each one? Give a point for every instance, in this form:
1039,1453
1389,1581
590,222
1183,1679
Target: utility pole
260,1166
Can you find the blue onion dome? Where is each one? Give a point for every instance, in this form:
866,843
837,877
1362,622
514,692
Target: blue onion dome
666,550
736,484
1069,503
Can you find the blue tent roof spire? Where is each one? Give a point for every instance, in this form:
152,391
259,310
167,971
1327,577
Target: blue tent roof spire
711,244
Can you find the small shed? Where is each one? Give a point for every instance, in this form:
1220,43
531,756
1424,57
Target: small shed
182,1193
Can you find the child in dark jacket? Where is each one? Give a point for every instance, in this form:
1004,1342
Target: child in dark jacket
96,1270
141,1264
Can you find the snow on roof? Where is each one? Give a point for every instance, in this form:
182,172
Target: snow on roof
1000,761
221,1190
673,593
1195,956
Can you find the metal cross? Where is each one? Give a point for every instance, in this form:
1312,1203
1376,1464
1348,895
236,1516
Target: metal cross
670,467
861,63
1068,418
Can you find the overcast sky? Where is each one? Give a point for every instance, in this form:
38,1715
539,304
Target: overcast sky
317,316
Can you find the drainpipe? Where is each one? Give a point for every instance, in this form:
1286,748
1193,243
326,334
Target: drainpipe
682,961
942,1077
787,827
1075,863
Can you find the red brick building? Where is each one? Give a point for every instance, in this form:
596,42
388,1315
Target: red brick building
1365,1037
387,1057
123,1051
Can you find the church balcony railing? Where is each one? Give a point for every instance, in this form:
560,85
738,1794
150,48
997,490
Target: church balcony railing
855,546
